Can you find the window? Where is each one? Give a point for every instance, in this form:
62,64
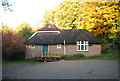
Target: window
82,45
32,46
58,46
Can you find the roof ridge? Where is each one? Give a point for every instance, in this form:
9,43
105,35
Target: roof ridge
49,27
72,29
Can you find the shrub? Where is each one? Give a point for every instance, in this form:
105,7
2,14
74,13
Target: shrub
72,57
67,57
13,47
32,59
77,56
110,50
95,56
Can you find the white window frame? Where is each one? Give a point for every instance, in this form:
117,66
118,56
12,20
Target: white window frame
32,46
79,44
58,46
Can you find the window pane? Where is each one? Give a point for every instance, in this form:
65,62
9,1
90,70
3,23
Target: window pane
85,47
82,47
78,42
86,42
82,42
58,45
33,46
78,47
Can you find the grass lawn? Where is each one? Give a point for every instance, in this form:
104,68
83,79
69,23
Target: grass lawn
18,62
102,57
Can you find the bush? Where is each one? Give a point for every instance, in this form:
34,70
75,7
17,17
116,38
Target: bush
72,57
17,56
77,56
95,56
67,57
32,59
110,50
13,47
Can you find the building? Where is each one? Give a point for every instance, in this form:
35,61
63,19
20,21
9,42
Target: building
50,39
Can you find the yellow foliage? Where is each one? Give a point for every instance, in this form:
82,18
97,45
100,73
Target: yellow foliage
6,29
100,17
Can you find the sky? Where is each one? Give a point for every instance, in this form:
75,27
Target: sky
31,11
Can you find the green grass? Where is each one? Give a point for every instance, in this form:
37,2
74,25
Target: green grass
102,57
18,62
96,57
73,57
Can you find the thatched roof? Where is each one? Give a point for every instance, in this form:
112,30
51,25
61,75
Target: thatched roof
70,36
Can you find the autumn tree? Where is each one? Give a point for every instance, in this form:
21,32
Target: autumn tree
100,18
65,15
24,29
12,44
6,41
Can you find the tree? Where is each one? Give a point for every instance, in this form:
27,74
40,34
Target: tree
17,47
64,15
25,30
12,44
116,41
6,29
100,18
6,41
